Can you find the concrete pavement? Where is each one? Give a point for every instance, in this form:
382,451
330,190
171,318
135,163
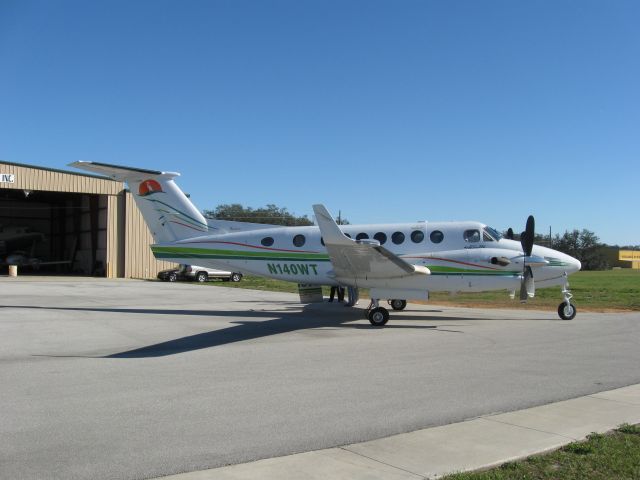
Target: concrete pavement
111,379
430,453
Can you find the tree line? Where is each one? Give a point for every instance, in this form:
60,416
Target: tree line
581,244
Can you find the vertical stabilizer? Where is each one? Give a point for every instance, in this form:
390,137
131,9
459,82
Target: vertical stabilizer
168,212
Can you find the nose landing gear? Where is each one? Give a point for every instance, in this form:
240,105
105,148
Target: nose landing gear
566,310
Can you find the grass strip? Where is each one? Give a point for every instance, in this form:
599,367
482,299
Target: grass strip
615,455
612,290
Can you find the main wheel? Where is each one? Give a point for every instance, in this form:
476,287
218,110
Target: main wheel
398,304
202,277
235,277
567,312
378,317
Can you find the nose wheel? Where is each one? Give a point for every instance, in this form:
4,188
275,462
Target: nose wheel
566,310
378,316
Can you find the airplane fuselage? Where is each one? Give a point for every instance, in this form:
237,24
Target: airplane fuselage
461,256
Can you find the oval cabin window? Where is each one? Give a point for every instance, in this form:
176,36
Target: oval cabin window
397,238
299,240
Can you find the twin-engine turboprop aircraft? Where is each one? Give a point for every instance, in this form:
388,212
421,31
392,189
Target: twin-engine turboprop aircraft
397,262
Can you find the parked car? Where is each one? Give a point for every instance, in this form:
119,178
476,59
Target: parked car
170,275
198,274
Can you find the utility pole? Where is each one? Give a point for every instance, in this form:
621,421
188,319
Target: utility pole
339,217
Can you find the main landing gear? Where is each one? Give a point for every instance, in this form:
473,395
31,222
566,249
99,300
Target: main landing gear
397,304
566,310
378,316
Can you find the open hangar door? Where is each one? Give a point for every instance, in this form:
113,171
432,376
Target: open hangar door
46,232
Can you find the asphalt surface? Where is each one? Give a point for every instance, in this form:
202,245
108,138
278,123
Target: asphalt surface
129,379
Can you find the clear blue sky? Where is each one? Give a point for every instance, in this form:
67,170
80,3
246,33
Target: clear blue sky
388,111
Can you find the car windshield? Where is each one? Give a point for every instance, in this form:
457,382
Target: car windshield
493,233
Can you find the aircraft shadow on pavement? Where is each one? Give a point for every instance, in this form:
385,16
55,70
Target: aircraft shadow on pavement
250,330
289,318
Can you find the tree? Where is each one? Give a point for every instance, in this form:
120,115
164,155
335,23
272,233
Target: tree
271,215
585,246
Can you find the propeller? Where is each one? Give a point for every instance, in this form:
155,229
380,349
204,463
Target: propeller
527,286
526,237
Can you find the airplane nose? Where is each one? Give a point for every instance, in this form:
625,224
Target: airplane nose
575,265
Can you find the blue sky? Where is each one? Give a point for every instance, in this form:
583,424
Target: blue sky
388,111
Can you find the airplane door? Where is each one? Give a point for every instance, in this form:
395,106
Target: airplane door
472,238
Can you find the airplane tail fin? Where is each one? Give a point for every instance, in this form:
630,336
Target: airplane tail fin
168,212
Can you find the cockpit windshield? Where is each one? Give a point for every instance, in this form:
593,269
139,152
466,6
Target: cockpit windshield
492,232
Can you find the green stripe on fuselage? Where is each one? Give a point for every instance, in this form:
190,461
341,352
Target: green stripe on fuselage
218,254
440,270
221,254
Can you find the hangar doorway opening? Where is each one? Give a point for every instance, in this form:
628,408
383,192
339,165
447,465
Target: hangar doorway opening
45,232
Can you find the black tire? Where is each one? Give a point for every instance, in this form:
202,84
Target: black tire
378,317
235,277
398,304
172,277
567,312
202,277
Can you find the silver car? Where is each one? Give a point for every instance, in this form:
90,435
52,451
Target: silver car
203,274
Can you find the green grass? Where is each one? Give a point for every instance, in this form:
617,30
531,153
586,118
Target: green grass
595,291
615,455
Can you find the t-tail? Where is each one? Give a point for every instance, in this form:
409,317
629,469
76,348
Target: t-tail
168,212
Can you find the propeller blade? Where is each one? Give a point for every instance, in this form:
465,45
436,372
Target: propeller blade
510,233
527,286
528,235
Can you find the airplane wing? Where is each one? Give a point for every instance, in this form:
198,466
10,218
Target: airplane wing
360,260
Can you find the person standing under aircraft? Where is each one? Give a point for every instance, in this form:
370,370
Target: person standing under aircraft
339,290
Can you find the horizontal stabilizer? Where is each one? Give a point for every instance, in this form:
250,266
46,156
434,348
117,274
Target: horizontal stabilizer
119,172
167,211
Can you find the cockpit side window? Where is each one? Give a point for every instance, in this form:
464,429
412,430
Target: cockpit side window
486,237
472,236
493,233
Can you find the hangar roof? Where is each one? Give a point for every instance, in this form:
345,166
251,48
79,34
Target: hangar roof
33,177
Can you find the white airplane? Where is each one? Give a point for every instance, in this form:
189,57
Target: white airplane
14,237
396,262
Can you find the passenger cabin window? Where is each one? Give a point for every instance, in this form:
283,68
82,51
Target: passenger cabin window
436,236
381,237
397,238
472,236
299,240
267,241
322,241
417,236
347,235
362,236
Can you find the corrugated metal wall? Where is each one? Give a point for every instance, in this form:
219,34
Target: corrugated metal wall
127,238
139,261
34,178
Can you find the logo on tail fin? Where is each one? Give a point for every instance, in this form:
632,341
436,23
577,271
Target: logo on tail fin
148,187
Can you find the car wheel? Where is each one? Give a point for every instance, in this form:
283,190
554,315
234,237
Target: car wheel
202,277
235,277
172,277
